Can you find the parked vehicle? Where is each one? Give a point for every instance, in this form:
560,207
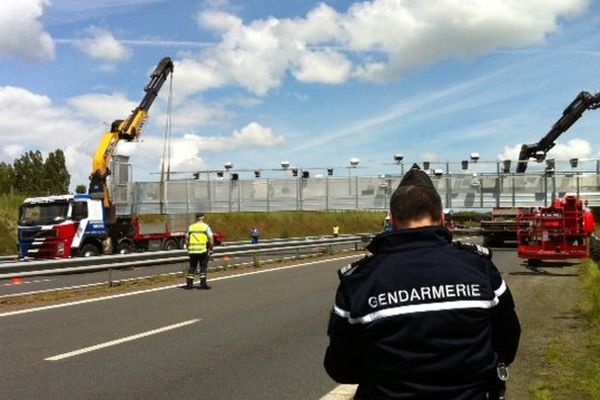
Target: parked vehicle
73,225
553,233
501,229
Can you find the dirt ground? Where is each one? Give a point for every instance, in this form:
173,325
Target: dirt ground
552,330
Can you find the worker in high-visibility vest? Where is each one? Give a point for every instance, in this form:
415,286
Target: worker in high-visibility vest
199,240
336,230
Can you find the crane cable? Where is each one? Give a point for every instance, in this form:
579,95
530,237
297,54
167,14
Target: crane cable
166,156
165,170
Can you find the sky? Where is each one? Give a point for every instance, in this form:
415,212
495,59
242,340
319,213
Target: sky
258,82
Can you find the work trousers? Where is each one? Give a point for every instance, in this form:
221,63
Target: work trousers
198,264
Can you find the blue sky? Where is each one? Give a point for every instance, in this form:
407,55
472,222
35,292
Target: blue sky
316,83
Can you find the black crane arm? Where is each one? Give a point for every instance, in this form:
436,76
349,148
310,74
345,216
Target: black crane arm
584,101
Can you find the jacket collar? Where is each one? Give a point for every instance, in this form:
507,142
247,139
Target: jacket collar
404,239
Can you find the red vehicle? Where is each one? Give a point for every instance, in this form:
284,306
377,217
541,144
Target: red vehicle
553,233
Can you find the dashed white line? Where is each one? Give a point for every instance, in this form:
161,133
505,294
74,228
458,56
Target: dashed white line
120,341
342,392
27,282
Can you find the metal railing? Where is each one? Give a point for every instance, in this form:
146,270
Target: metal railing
457,190
111,262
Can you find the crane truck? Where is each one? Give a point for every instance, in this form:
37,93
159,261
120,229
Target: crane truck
583,102
87,224
502,227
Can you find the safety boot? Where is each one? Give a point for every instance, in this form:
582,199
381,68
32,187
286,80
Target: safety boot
203,284
189,283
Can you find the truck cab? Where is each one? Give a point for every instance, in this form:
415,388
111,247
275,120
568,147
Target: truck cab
61,226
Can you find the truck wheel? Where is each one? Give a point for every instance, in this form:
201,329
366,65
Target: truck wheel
170,245
124,248
89,250
595,248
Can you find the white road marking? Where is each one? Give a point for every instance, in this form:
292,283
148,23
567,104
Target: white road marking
116,296
120,341
342,392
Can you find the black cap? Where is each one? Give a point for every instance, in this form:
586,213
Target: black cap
199,215
416,177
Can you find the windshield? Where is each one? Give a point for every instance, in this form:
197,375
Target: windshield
43,213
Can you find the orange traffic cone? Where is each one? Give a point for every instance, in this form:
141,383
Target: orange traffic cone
16,281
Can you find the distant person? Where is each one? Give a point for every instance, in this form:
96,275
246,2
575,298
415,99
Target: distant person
589,222
422,318
254,235
387,223
199,240
336,230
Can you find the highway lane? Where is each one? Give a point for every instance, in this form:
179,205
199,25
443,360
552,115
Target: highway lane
259,336
11,287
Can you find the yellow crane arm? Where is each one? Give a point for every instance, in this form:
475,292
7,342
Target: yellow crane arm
128,129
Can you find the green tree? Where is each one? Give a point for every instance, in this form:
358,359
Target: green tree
81,189
29,174
56,175
7,178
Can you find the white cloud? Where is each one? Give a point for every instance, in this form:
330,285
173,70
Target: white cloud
195,76
29,121
101,44
323,67
22,34
429,156
387,39
103,107
186,151
254,134
13,150
26,117
416,34
574,148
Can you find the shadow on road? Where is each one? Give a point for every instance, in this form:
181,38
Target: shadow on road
541,268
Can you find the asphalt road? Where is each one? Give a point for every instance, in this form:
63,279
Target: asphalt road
256,336
259,336
52,282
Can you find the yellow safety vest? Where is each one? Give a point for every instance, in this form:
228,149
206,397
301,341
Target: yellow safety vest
336,230
197,238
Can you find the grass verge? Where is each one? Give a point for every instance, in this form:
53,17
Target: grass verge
572,369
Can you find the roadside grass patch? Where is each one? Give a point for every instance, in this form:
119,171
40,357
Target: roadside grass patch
590,283
573,367
561,378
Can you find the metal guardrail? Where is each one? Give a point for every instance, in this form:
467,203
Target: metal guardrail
57,267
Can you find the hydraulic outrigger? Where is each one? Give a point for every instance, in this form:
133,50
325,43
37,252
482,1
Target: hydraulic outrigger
129,129
584,101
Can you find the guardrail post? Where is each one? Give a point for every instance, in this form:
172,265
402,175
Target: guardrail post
110,281
297,253
329,249
256,259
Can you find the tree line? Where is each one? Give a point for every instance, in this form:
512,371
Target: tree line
31,175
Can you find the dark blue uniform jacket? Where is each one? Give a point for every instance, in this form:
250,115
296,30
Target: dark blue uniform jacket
421,319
